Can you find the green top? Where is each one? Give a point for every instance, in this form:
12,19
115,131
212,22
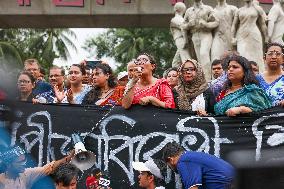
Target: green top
250,96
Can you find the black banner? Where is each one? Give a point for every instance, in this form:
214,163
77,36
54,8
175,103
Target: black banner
119,136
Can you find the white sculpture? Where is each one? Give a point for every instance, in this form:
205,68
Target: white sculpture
276,22
182,53
222,35
200,21
248,35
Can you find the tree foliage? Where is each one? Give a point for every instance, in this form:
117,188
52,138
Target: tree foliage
42,44
126,44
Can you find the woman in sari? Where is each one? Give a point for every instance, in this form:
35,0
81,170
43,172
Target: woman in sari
105,90
272,80
241,93
145,89
192,92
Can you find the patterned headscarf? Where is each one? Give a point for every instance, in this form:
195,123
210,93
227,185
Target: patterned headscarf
189,91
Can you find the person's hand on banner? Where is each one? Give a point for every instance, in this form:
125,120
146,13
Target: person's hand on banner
233,111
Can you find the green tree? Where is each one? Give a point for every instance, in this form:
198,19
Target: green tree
49,44
42,44
126,44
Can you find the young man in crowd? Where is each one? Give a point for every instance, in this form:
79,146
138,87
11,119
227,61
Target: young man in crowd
216,69
32,66
16,175
56,80
66,176
254,67
122,78
197,169
150,176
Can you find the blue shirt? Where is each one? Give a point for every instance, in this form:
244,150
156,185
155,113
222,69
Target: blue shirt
41,87
204,170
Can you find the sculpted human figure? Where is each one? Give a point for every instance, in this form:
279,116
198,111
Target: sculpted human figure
276,22
200,21
182,53
247,29
222,35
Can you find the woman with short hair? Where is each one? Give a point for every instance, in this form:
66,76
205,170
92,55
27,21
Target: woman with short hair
272,80
25,83
144,88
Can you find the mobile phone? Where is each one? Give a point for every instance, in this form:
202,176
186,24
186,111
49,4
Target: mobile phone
90,64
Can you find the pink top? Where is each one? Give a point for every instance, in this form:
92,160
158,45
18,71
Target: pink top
161,90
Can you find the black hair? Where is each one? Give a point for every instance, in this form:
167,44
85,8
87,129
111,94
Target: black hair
64,174
216,62
94,94
163,169
42,71
253,63
81,67
226,56
169,70
31,77
60,68
151,59
171,150
249,77
274,44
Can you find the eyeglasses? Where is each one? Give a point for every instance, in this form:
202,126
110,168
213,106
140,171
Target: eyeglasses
51,76
184,70
32,69
277,54
23,82
74,72
141,61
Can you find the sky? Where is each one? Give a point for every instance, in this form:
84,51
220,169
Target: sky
82,34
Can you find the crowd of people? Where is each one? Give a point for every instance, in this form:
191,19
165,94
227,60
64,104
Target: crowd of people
237,86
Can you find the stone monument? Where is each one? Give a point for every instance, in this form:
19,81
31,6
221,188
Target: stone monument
247,29
276,22
182,53
222,35
199,22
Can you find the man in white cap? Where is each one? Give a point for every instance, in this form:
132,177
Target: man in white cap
150,176
122,78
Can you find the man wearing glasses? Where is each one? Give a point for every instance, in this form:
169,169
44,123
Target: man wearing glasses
56,80
197,169
32,66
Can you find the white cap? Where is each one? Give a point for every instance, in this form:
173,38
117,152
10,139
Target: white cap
148,166
122,75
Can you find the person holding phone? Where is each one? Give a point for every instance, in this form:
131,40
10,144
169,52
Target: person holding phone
144,88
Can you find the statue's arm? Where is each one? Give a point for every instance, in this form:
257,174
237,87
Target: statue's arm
213,21
263,27
272,17
234,27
